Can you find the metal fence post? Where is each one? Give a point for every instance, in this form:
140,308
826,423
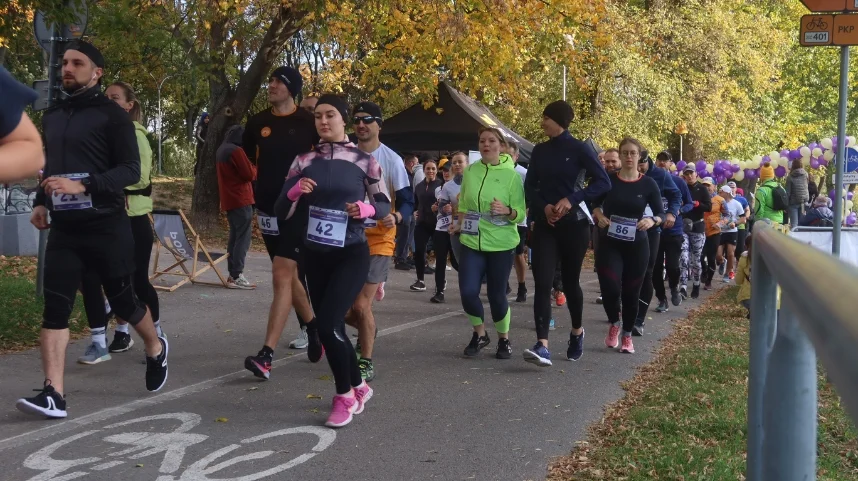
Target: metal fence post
763,319
789,447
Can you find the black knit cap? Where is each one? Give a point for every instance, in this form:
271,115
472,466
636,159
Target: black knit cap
291,78
370,108
337,102
560,112
89,50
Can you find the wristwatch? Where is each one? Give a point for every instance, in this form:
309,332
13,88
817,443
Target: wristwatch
87,183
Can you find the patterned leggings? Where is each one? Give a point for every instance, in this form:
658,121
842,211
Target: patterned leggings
695,254
683,263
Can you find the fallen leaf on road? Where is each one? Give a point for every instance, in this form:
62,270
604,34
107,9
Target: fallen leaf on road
511,420
228,330
221,420
466,382
315,410
138,466
325,378
313,396
252,388
562,371
556,406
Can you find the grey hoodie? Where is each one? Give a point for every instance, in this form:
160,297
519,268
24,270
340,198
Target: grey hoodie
796,187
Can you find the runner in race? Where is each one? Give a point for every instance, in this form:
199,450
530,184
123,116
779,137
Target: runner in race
446,213
92,155
624,250
448,200
273,139
561,231
672,201
332,182
425,205
713,233
739,195
733,216
611,161
521,249
380,235
491,203
702,202
669,255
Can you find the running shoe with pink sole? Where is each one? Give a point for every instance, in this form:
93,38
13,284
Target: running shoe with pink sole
628,346
342,411
379,293
363,394
613,340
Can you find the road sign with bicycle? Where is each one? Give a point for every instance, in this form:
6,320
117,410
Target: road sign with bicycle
827,29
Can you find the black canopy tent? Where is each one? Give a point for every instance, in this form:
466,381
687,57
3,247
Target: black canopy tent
416,129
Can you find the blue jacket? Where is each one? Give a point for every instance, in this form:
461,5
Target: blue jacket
687,205
557,169
671,197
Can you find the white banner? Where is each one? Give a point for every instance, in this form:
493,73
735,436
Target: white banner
822,241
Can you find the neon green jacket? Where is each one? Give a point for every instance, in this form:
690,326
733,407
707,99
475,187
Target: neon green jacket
483,183
764,202
140,204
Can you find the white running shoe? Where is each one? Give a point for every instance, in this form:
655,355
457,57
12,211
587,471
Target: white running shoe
302,341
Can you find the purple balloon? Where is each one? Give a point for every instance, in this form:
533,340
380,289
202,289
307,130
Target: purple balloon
813,145
680,165
785,153
851,220
814,164
728,174
718,171
735,168
849,196
822,161
766,159
701,165
795,154
831,194
780,171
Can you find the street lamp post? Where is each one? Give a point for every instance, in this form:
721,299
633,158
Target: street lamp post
160,123
681,129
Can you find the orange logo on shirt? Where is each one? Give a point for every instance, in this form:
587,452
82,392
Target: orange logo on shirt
266,131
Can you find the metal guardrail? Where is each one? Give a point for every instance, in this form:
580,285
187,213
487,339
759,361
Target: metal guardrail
818,315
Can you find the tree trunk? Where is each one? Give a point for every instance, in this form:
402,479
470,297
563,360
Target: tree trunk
228,104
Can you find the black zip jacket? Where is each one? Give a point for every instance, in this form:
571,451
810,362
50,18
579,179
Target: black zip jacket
424,199
90,134
700,195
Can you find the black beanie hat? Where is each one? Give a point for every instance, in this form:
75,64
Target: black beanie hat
291,78
560,112
370,108
337,102
89,50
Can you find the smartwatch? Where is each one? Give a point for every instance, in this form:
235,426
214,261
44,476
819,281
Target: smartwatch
87,184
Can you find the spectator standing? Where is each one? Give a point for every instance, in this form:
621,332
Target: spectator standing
235,174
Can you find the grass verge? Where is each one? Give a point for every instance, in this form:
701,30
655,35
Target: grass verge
684,415
21,313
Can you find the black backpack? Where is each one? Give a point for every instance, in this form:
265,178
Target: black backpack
780,199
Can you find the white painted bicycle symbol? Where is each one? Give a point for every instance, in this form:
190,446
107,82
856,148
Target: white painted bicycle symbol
134,446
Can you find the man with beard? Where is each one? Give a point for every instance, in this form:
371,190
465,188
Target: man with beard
92,155
380,235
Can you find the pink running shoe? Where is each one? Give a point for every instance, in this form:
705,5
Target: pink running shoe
613,340
363,393
342,409
379,293
628,347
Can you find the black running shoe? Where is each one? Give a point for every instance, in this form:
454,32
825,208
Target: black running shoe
121,342
504,349
259,365
477,344
522,294
429,270
662,306
695,292
675,297
315,350
638,330
418,286
683,293
156,369
576,346
47,403
438,298
402,266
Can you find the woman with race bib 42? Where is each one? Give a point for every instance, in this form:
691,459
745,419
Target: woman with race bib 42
331,182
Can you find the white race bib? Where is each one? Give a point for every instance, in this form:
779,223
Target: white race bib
471,224
622,228
327,227
648,211
444,222
664,204
71,201
268,225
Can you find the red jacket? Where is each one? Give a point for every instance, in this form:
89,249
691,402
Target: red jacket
234,172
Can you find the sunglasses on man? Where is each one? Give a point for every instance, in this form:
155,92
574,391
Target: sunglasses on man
367,119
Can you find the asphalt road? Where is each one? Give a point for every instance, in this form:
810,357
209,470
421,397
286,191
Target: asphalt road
435,415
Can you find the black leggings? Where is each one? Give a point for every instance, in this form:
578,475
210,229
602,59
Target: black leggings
422,233
334,279
622,268
567,242
93,300
669,249
441,239
710,253
653,236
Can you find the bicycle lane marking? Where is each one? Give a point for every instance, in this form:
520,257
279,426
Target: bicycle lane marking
138,445
109,413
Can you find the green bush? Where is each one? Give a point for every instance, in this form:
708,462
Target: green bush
179,157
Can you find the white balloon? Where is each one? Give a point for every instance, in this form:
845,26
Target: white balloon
816,152
774,155
742,165
757,160
805,151
850,141
826,143
828,155
739,176
849,205
710,168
